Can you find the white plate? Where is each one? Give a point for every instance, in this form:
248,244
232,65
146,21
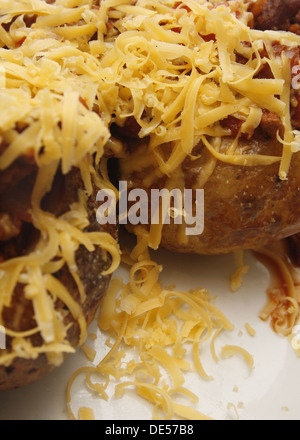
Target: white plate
270,392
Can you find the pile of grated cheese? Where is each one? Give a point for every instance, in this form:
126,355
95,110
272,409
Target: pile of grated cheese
164,331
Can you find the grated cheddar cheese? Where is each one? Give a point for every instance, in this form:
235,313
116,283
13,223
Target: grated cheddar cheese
68,71
158,335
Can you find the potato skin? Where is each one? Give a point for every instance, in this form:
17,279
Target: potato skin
20,316
245,207
276,14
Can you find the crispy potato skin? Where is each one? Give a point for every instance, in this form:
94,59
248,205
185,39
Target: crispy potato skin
245,207
276,14
20,316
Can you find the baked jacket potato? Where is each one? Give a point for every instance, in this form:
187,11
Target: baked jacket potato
55,258
19,237
244,207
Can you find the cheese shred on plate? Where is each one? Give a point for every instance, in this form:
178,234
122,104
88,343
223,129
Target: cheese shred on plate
159,333
70,69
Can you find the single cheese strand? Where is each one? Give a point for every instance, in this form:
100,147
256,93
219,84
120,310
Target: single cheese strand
230,350
69,128
288,135
241,159
59,291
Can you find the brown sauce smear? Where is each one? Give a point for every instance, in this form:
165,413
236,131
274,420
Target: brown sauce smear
283,305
